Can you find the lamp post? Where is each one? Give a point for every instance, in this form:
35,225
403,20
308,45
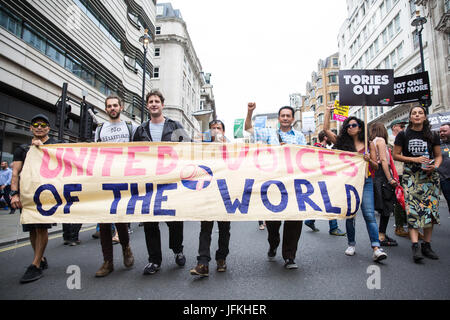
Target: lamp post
418,22
145,40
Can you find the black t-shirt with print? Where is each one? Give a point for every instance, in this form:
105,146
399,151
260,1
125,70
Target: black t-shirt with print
414,144
21,151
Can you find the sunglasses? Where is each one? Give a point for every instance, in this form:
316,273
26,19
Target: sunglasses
215,122
353,125
39,124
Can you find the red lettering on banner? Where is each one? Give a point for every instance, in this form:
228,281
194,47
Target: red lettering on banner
300,165
324,164
129,170
351,163
287,157
275,159
237,164
110,154
71,158
91,162
162,152
45,171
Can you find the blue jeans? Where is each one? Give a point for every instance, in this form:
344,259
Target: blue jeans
368,210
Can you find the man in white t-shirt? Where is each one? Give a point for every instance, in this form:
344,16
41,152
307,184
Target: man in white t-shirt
115,130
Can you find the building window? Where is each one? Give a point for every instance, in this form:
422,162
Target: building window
55,53
333,78
321,118
10,23
158,30
73,66
335,62
156,72
94,17
33,39
333,95
319,83
157,52
320,100
412,7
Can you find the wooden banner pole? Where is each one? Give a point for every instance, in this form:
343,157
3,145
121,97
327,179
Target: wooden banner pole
366,138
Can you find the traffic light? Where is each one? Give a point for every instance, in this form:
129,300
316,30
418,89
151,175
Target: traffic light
87,125
62,115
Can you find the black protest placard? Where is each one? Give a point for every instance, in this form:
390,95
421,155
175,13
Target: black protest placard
438,119
411,88
366,87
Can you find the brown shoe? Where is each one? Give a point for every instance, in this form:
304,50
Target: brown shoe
200,270
128,259
105,269
221,265
399,231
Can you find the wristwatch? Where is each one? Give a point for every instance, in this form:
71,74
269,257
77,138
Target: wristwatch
13,193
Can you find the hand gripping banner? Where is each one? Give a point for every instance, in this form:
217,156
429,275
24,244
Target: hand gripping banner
139,182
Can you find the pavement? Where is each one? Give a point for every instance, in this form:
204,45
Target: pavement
11,229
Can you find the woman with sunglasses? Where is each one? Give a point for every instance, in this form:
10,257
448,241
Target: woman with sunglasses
384,183
352,139
420,151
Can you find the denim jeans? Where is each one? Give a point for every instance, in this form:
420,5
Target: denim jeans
368,211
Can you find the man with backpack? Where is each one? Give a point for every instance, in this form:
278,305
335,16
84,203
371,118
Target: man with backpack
115,130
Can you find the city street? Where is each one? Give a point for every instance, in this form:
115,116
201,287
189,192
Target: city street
324,271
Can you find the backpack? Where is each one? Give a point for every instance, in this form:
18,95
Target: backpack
129,126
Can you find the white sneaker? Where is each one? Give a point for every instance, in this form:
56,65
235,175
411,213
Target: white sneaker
350,251
379,255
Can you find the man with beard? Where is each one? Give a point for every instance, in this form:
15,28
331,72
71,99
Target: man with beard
157,129
115,130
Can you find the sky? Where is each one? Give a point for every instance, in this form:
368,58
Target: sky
259,50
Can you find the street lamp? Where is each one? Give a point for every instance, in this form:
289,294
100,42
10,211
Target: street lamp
418,22
145,40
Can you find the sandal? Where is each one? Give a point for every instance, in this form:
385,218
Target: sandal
388,242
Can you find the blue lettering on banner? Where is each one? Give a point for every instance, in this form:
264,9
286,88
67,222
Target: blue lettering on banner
303,198
146,199
348,189
115,188
243,204
68,189
284,196
160,198
326,199
37,201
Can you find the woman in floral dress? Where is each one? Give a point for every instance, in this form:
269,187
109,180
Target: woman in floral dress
420,150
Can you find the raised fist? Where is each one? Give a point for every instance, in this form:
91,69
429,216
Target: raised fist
251,106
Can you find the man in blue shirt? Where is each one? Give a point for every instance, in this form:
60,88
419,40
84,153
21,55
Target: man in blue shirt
5,184
285,135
